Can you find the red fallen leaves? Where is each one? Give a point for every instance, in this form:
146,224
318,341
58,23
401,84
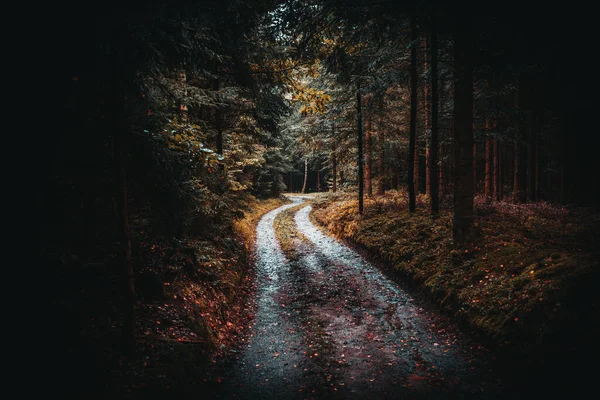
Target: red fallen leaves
250,317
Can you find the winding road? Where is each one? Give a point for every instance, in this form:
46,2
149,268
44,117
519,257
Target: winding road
329,324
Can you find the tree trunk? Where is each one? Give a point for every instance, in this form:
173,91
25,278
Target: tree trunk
536,184
427,107
334,163
291,182
124,234
413,116
360,150
318,180
368,155
519,180
218,123
432,156
305,175
463,134
533,158
474,166
380,180
496,151
489,161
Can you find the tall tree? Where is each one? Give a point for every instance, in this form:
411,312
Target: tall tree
462,222
433,145
359,132
489,161
520,169
368,151
413,115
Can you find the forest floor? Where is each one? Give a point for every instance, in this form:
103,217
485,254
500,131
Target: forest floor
526,285
194,304
395,311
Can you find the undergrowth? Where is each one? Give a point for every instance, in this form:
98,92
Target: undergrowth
523,283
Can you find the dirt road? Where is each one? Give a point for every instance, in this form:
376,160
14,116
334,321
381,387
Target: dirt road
329,324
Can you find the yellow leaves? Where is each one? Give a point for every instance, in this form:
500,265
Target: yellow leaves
315,100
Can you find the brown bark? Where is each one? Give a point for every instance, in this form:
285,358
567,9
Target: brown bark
411,182
463,135
318,180
218,123
520,172
474,167
291,188
334,164
368,156
305,175
489,161
432,155
360,150
380,178
427,107
496,186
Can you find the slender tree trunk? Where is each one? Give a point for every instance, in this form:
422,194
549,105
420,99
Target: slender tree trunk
368,155
463,134
496,169
218,123
334,161
433,145
305,175
519,182
291,182
416,166
427,104
380,178
533,158
124,233
413,116
489,161
318,180
562,161
360,150
474,166
536,184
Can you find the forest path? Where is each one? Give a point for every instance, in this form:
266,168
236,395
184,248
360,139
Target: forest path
330,325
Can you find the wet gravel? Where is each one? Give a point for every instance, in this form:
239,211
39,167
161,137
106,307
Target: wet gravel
331,325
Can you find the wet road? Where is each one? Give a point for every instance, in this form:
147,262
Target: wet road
330,325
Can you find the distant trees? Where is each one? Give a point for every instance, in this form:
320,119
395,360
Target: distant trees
500,135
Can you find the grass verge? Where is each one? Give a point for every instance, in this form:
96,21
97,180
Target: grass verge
526,284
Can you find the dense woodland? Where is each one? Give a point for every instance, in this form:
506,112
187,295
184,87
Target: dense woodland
175,117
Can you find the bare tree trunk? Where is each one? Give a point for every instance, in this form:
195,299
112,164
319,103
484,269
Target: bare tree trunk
489,160
474,166
380,180
368,155
496,145
334,162
463,134
305,175
427,107
413,117
536,184
519,181
360,150
124,233
218,123
432,156
318,180
291,182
